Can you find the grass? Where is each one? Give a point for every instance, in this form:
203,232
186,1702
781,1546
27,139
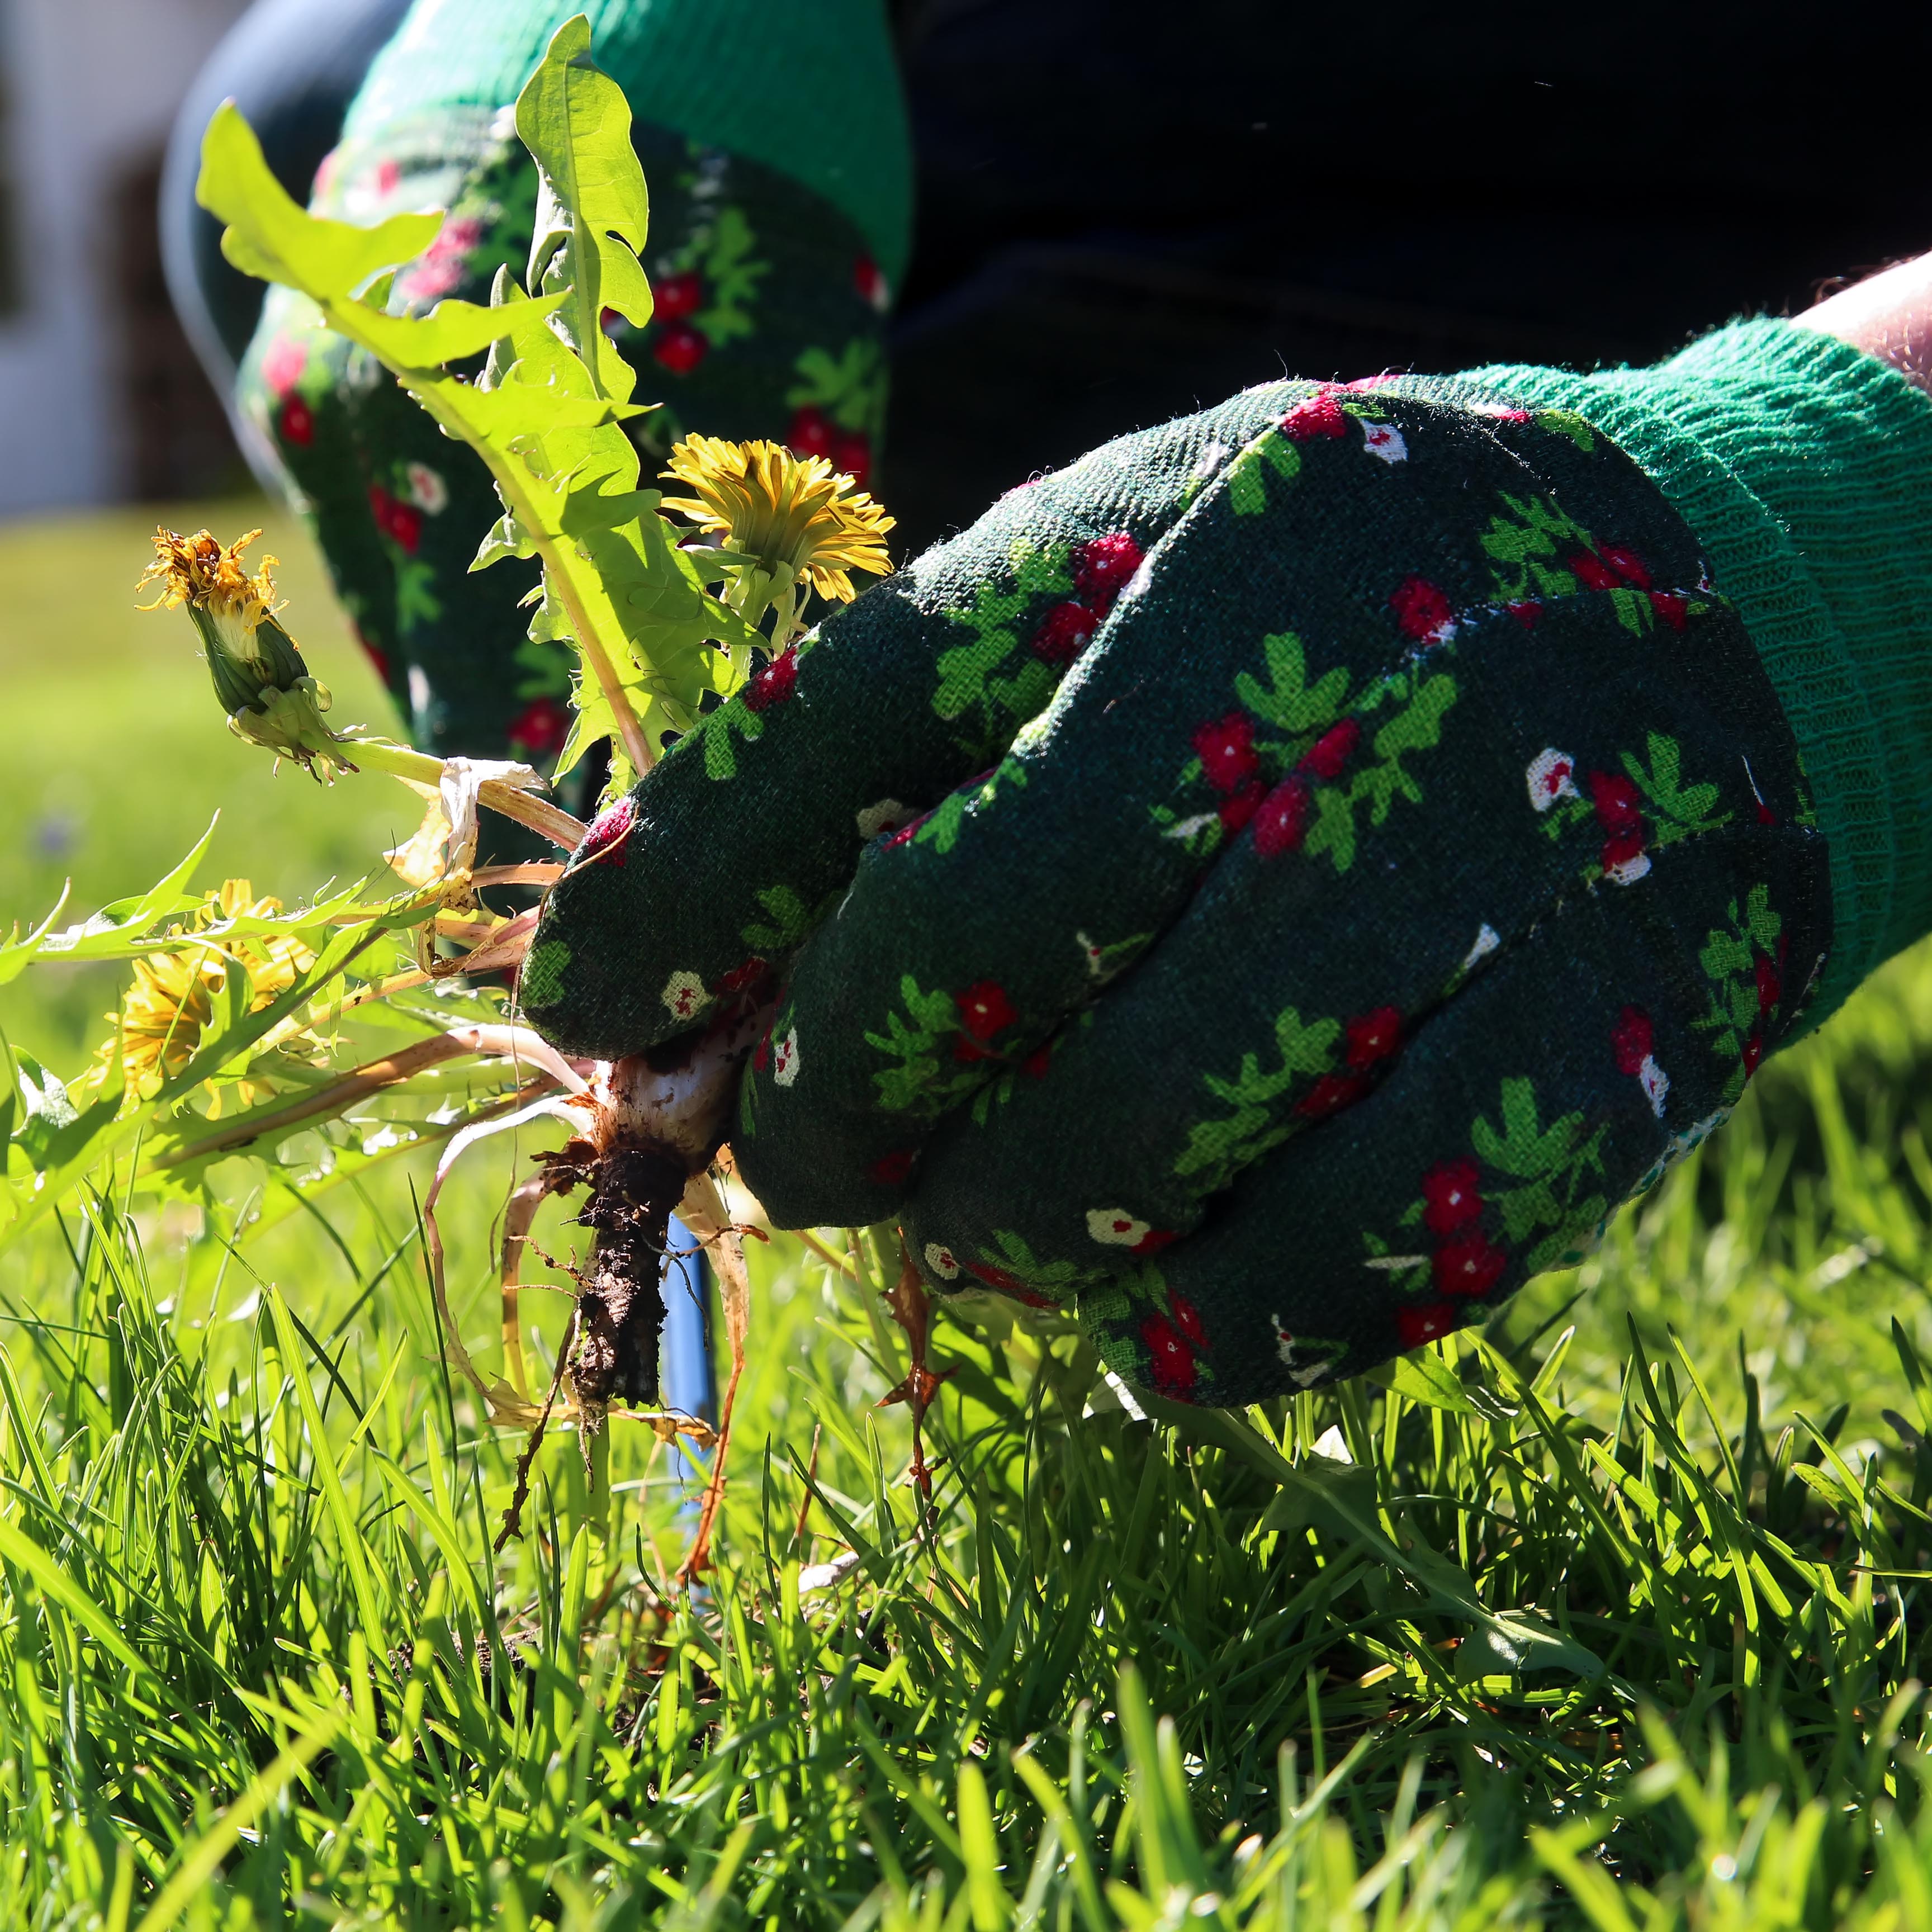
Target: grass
1614,1623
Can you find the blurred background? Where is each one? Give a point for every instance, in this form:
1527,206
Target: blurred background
101,399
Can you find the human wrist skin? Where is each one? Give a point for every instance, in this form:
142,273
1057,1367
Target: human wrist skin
1800,460
1888,315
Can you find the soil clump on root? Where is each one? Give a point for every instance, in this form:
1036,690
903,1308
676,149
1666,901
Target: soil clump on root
619,1311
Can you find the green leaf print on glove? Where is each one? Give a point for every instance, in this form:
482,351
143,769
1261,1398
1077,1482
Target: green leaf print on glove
1286,878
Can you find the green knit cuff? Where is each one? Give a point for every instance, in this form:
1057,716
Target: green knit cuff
1805,466
808,87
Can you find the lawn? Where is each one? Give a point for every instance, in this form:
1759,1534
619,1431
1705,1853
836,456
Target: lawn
1608,1618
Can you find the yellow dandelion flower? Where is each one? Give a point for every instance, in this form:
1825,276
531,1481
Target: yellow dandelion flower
172,998
796,517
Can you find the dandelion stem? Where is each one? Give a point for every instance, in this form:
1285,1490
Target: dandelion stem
399,761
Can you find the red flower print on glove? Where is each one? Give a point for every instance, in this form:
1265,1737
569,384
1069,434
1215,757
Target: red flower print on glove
1631,1038
1281,821
1418,1322
1628,565
1591,571
296,423
742,977
1103,567
676,296
775,683
1631,1041
1373,1036
439,268
1171,1361
1001,1282
869,283
1330,1095
1770,986
1470,1265
1614,800
1624,859
540,728
1451,1196
1423,611
852,456
1187,1319
1065,632
606,841
1609,567
1326,757
812,434
679,348
283,365
984,1010
1226,751
1115,1228
1236,811
401,523
1313,416
996,1277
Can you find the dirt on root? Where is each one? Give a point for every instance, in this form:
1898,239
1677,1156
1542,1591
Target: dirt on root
619,1311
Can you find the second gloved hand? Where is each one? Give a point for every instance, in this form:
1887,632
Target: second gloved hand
1272,886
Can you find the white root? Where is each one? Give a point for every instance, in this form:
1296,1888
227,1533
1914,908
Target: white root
502,1402
683,1109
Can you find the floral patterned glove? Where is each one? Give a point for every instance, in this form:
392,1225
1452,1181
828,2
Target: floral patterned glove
1272,886
768,322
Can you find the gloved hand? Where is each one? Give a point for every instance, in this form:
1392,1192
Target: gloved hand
764,254
1280,882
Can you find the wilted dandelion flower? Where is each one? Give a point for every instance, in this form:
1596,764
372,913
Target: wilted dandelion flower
794,518
259,677
173,999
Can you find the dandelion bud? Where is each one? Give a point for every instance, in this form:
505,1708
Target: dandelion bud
259,676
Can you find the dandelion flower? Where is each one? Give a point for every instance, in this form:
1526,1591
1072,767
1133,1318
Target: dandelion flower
173,999
795,518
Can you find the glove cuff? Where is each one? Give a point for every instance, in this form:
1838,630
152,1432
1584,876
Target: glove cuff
1805,466
808,88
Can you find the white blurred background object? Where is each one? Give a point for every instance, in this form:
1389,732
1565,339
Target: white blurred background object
100,397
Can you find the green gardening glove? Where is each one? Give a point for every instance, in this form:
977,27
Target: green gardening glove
1270,888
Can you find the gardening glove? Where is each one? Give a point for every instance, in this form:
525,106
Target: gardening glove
775,239
1275,885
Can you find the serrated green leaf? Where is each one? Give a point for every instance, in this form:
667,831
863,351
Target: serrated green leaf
546,414
593,211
